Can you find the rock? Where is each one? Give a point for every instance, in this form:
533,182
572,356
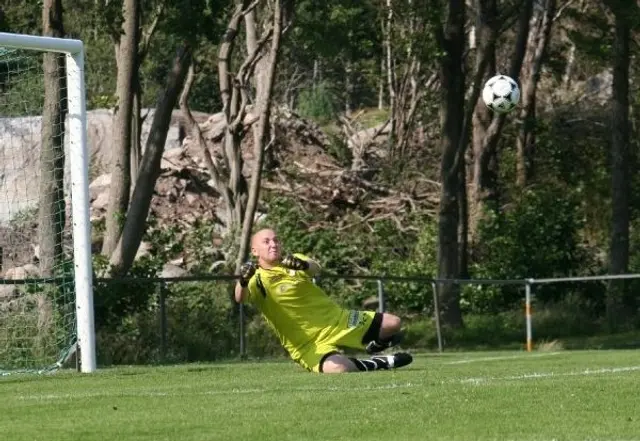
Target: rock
101,182
101,201
170,270
177,262
371,303
143,250
28,271
190,198
8,292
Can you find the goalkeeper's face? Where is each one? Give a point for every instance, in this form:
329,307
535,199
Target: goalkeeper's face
266,247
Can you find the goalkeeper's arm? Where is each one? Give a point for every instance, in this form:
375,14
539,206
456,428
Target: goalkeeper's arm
241,293
302,263
247,270
314,268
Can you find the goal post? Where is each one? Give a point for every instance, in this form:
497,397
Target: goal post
77,158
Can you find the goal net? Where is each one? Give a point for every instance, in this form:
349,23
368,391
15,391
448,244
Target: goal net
46,307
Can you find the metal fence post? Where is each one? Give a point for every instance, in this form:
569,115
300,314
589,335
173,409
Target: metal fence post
162,300
381,303
436,313
241,330
527,312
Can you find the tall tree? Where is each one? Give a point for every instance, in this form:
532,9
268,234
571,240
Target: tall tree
484,173
126,46
146,34
539,33
406,45
134,227
487,131
620,157
451,39
257,68
267,66
51,211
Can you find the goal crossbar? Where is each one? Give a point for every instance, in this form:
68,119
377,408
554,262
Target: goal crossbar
79,173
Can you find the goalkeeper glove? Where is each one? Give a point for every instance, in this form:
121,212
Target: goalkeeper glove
294,263
247,270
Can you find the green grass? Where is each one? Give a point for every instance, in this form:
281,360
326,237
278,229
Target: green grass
565,395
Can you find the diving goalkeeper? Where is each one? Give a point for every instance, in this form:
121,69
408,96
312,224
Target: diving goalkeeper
310,325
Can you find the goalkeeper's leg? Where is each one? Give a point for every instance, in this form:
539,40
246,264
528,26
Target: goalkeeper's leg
384,332
335,363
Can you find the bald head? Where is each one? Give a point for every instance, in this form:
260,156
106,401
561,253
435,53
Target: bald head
265,246
260,234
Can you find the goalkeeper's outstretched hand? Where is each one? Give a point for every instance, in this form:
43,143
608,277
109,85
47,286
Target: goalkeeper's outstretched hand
247,270
294,263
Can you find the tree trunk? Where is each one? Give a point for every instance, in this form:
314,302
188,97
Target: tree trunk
484,178
234,102
260,79
463,235
51,212
213,167
391,79
262,132
134,227
620,176
381,85
488,156
452,41
568,70
317,74
136,130
348,87
537,43
127,51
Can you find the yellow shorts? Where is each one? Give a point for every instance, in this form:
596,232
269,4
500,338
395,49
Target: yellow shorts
355,330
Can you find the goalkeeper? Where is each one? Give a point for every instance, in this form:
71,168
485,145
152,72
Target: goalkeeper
310,325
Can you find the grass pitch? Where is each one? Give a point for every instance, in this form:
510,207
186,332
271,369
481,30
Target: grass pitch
590,395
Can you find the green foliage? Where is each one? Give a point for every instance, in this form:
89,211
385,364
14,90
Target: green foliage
33,330
571,318
536,237
202,322
21,17
21,83
117,299
317,103
195,244
261,340
339,149
407,255
37,325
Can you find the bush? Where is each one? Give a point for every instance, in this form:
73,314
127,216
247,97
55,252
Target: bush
317,103
115,299
536,237
261,340
202,322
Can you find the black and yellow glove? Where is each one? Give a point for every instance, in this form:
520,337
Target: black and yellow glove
294,263
247,270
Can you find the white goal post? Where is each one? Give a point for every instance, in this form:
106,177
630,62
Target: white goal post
76,131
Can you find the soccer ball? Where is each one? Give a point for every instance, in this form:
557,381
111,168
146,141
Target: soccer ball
501,94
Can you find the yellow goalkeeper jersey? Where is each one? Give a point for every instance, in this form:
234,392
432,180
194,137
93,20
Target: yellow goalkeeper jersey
296,308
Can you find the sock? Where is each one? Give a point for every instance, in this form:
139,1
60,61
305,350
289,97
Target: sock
371,364
395,338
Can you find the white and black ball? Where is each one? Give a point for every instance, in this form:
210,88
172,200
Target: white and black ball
501,93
